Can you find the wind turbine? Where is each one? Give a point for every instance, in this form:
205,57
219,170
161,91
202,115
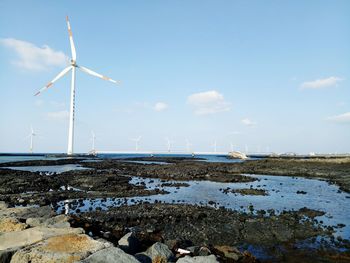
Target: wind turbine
215,146
188,146
137,141
93,138
231,145
72,67
31,136
169,143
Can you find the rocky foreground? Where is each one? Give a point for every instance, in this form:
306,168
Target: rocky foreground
37,234
161,232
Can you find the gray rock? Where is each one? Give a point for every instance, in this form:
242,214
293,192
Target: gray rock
27,212
63,248
60,221
33,235
159,250
199,259
129,243
112,254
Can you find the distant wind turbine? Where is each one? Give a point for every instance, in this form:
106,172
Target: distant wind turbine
31,136
215,146
137,142
169,144
231,146
188,146
72,67
93,138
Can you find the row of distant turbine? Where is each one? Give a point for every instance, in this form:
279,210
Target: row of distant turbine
169,143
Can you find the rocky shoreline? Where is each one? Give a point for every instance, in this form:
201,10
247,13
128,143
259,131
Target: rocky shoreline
37,234
159,232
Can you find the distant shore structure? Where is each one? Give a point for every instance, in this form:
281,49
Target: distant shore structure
72,67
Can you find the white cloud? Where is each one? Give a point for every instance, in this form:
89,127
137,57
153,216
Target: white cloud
248,122
32,57
208,102
321,83
58,115
341,118
160,106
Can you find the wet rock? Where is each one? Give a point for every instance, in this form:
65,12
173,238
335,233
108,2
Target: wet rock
112,254
33,235
64,248
198,259
228,252
299,192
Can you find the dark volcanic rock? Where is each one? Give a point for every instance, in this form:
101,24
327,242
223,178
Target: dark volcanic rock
203,225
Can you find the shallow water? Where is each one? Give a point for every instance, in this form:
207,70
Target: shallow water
17,158
49,169
282,195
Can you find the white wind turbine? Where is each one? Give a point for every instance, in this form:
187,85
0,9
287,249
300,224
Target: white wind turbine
137,142
215,146
188,146
169,144
93,138
231,146
31,136
72,67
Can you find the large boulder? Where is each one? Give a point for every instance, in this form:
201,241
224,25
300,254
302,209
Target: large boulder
33,235
63,248
112,254
129,243
198,259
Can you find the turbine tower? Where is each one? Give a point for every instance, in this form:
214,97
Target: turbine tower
137,141
215,146
93,138
169,144
31,136
231,146
72,67
188,146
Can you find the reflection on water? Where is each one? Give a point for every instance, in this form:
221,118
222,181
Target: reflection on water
282,195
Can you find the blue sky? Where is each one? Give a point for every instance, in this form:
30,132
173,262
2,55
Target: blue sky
269,75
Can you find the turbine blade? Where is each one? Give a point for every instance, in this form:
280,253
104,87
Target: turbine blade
72,46
90,72
60,75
